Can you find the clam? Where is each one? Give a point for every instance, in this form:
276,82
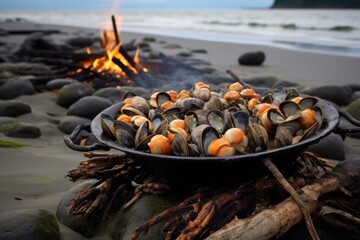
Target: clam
235,87
156,120
138,120
203,132
125,134
178,123
162,128
140,104
183,94
107,124
125,118
258,138
220,148
191,120
202,93
160,144
249,93
289,111
307,118
213,103
130,111
188,104
237,138
240,120
307,102
283,137
220,120
171,113
129,95
232,96
142,133
179,145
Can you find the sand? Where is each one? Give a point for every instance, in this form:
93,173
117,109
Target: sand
34,176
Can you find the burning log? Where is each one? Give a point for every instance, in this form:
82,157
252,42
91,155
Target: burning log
275,222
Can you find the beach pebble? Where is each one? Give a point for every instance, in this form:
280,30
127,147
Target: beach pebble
331,147
72,92
284,83
89,107
149,39
137,214
13,108
202,51
28,224
86,226
16,87
111,93
341,95
143,45
172,46
354,109
355,86
69,123
184,54
59,83
267,82
25,68
252,58
81,42
37,41
20,130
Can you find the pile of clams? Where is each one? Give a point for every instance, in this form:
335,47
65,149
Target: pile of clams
201,122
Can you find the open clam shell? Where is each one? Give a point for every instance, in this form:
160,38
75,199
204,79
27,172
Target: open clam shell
107,125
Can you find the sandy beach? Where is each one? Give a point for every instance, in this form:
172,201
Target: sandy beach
34,176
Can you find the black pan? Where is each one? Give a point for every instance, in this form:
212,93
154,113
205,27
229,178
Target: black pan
213,168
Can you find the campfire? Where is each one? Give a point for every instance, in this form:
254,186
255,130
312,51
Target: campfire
115,65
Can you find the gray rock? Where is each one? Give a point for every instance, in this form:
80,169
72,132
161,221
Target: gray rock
354,109
59,83
20,130
202,51
37,41
331,147
6,120
89,107
69,123
252,58
72,92
86,226
142,210
284,83
28,224
184,54
172,46
13,108
81,42
341,95
111,93
149,39
25,68
267,82
355,86
15,88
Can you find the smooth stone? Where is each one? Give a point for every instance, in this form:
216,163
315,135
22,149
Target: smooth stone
28,224
252,58
20,130
267,82
331,147
59,83
354,109
37,41
80,42
355,86
341,95
202,51
72,92
142,210
89,107
69,123
111,93
184,54
26,68
142,45
16,88
7,120
149,39
86,226
284,83
172,46
13,108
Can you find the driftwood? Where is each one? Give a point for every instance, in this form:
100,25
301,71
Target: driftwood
276,221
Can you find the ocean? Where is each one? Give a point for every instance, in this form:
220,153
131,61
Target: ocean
325,31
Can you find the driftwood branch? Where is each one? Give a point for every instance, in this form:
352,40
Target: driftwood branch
277,174
276,221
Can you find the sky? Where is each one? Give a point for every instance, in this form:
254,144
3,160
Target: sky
126,4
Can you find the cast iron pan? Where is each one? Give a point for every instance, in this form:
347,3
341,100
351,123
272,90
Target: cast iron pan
205,169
